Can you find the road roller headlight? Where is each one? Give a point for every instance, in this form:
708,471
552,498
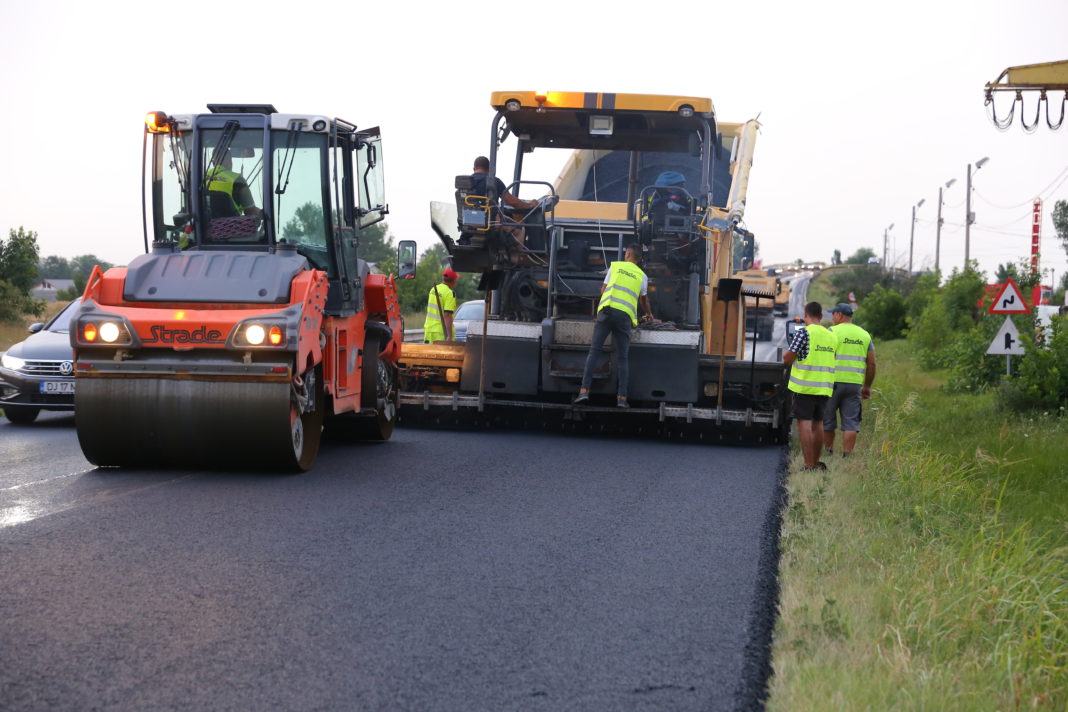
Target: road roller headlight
109,332
103,330
259,333
255,334
12,363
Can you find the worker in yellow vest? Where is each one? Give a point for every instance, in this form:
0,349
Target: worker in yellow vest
853,377
811,357
223,181
625,287
440,305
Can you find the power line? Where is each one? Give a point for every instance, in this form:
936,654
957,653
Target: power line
1042,193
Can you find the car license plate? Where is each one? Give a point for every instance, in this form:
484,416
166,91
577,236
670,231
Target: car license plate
57,387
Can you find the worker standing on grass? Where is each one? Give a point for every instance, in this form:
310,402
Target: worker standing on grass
439,308
853,376
625,286
811,357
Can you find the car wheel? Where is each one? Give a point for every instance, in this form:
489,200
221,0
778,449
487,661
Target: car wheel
21,414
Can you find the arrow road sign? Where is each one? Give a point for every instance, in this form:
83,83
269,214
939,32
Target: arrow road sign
1009,300
1007,341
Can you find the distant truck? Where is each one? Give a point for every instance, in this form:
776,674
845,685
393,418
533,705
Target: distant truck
760,312
782,298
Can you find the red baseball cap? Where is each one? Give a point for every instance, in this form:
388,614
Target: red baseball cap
449,274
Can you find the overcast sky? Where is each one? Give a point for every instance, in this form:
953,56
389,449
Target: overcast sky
864,110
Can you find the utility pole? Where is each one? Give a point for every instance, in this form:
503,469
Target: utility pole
938,229
912,231
968,218
886,245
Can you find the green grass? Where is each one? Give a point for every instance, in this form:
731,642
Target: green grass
12,333
929,570
414,320
819,291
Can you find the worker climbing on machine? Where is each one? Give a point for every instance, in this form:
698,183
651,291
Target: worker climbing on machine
811,356
853,377
440,305
625,286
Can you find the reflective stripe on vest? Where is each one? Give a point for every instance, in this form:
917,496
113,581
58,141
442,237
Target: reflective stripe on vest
815,375
852,357
624,285
221,180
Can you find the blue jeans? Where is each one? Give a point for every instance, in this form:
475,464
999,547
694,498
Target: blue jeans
617,323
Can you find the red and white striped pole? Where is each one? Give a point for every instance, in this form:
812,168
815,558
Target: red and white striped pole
1036,233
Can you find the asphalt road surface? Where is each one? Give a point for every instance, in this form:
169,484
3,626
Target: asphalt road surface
439,571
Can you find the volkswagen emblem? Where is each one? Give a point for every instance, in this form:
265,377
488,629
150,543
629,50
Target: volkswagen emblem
66,368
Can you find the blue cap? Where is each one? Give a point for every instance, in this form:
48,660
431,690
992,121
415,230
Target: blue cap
670,178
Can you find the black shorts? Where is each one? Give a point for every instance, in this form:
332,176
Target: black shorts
806,406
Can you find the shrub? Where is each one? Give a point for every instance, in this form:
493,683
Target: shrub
883,313
1041,379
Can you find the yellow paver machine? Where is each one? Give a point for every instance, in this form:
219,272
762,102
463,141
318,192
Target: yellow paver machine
659,171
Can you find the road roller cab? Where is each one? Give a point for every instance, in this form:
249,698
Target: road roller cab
250,322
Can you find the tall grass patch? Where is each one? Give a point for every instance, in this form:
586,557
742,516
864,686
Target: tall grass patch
929,570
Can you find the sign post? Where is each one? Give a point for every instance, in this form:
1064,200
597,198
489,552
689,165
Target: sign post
1009,300
1007,341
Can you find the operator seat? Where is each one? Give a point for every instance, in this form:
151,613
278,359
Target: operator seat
472,214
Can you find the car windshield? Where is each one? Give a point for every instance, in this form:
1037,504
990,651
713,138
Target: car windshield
470,310
61,322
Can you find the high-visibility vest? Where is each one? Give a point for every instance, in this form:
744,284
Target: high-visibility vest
815,375
623,288
434,326
851,361
221,180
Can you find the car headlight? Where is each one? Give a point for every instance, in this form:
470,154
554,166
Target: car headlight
13,363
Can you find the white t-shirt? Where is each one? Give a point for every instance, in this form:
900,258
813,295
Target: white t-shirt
645,282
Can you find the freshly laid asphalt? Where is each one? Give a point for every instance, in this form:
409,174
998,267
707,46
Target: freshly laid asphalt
440,571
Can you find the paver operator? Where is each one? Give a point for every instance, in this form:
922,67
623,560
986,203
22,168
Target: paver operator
811,357
440,305
854,374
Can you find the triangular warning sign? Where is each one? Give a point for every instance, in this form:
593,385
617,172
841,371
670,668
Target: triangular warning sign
1009,300
1007,341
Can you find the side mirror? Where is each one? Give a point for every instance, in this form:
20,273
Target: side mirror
35,327
406,257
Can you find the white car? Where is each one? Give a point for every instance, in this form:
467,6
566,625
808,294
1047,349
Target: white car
466,313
